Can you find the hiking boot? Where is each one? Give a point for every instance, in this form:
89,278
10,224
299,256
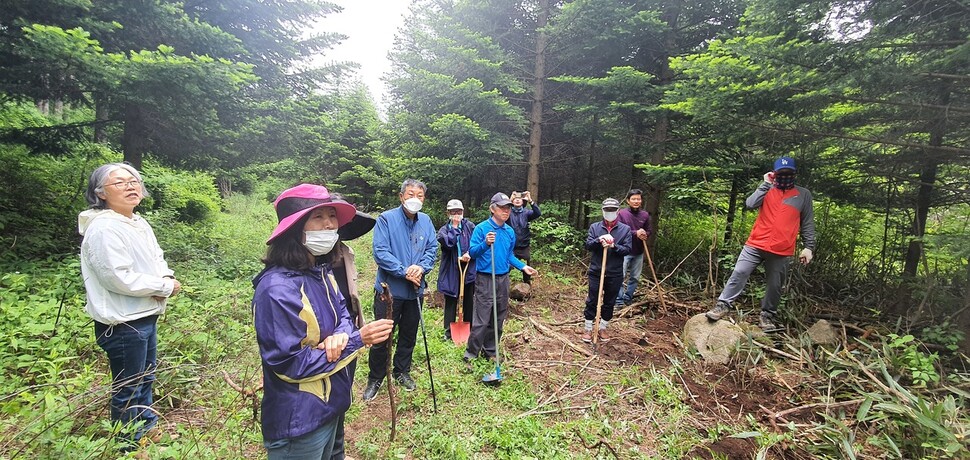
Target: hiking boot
603,336
588,336
371,391
720,310
768,323
405,381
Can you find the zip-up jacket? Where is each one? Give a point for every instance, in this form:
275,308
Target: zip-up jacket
519,220
122,266
400,242
783,215
293,312
622,240
503,246
454,243
636,220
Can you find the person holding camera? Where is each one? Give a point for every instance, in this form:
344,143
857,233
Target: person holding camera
519,221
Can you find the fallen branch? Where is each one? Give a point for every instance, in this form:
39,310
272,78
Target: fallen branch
777,351
597,446
551,333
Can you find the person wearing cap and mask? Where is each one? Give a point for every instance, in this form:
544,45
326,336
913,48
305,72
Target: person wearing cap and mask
638,220
405,249
616,238
307,338
492,237
785,212
127,284
519,220
455,237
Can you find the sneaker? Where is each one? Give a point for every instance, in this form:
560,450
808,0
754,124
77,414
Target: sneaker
720,310
603,336
588,336
768,323
405,381
371,391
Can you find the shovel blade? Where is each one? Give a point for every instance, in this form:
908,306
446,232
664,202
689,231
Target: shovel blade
492,380
460,331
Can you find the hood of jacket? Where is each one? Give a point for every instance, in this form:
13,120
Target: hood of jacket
88,216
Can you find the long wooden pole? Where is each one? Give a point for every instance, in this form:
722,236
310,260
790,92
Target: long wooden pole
660,291
599,300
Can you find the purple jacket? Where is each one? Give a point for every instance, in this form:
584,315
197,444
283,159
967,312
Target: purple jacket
454,243
636,221
293,312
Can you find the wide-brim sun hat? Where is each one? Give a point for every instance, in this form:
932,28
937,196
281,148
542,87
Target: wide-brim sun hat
357,227
296,202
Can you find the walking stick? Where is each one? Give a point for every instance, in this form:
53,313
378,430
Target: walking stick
388,300
660,290
599,300
494,379
434,396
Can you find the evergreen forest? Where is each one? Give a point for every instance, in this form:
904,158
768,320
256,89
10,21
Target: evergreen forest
222,104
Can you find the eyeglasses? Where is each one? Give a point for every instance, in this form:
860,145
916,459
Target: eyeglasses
123,185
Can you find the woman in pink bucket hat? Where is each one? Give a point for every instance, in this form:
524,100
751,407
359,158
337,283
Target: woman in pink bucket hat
307,338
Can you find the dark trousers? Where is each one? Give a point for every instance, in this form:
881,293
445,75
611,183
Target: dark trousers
451,308
482,338
406,317
131,348
525,255
611,286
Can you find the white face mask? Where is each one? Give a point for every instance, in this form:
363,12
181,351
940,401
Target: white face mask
413,205
320,242
609,216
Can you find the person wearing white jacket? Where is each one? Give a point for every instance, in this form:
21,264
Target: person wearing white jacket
127,283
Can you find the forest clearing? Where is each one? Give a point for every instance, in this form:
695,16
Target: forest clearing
183,122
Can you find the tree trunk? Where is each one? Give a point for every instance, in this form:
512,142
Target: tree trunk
133,139
927,178
535,117
100,118
732,207
574,192
590,172
661,135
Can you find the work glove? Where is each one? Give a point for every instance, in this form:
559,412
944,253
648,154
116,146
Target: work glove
805,257
606,240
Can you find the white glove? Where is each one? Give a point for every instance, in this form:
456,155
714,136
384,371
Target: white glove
606,240
805,257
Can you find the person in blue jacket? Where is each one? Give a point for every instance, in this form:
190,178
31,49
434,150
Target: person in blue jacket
405,248
454,237
305,333
616,238
492,235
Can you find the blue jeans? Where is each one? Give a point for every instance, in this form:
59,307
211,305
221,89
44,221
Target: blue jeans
632,268
131,348
315,445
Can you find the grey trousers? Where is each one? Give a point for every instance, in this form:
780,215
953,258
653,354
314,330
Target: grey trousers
776,266
482,337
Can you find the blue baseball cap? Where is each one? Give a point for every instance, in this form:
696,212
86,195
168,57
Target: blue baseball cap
785,163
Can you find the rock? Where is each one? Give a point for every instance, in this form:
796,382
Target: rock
520,291
715,341
822,333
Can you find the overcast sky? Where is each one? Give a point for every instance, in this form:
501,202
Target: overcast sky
370,26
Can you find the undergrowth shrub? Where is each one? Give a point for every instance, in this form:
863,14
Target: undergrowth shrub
553,239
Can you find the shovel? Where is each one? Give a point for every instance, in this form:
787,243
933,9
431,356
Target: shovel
599,301
494,379
460,329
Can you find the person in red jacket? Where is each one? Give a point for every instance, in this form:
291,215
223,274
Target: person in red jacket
785,212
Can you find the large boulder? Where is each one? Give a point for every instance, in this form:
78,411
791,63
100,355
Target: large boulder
716,341
822,333
520,291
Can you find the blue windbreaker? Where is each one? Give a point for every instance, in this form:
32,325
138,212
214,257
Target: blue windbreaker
504,243
400,242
